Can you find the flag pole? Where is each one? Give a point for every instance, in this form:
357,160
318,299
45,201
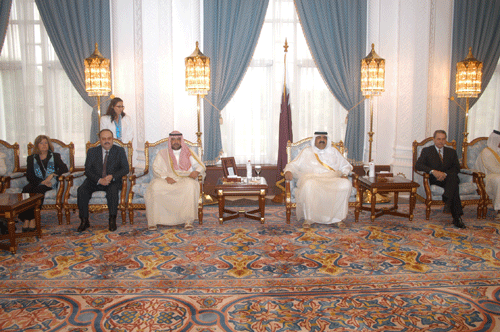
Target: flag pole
280,197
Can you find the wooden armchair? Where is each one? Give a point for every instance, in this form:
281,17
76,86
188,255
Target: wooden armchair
53,198
471,192
471,152
292,151
13,169
139,182
98,201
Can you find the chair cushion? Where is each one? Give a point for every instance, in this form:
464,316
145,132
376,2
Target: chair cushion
73,192
468,188
140,189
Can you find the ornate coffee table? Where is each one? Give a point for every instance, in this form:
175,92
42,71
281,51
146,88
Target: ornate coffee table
10,207
254,187
395,185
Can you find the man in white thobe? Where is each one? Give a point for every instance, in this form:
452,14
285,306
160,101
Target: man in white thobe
172,197
488,162
323,189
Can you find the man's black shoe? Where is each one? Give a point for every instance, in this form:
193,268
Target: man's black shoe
112,223
458,223
84,225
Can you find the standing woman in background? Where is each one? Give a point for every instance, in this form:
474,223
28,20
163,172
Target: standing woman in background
116,121
43,168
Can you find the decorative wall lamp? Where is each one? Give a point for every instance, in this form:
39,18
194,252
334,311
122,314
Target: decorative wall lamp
198,79
468,83
372,84
97,78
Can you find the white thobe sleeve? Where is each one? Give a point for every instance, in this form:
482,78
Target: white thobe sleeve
196,165
490,162
160,169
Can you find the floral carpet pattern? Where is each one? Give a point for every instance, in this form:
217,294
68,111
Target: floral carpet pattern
389,275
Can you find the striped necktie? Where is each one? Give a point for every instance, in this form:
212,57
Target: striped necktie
441,155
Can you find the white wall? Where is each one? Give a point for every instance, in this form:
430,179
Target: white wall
414,38
151,39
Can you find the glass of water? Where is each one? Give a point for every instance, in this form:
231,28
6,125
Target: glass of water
258,169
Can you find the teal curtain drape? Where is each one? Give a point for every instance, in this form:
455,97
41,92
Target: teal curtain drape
74,27
476,24
231,32
5,6
336,34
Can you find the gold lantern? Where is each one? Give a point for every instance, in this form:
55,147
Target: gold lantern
97,78
198,83
468,82
198,79
372,84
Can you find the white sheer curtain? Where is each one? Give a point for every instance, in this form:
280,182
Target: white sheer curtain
484,116
36,96
250,126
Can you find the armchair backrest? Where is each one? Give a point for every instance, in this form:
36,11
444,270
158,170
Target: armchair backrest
472,151
294,149
129,150
418,146
67,152
152,149
11,152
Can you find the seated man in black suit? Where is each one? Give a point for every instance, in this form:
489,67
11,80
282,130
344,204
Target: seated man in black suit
104,167
442,164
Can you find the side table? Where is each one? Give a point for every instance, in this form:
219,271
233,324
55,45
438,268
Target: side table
395,185
10,207
255,187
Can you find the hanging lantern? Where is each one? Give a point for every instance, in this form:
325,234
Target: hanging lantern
468,77
197,73
372,74
97,74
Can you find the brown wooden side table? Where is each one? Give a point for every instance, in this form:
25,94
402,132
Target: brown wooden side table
10,207
395,185
255,187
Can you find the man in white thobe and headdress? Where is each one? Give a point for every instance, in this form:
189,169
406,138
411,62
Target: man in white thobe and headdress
172,197
323,189
488,162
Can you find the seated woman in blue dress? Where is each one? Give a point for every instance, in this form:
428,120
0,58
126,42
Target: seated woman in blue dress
43,168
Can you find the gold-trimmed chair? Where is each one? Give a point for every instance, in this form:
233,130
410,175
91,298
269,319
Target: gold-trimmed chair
98,201
471,192
471,151
292,151
13,168
139,182
53,199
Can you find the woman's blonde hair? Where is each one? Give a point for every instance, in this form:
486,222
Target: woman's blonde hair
39,138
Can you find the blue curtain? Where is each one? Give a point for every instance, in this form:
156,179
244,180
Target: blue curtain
476,24
336,34
5,6
231,31
74,27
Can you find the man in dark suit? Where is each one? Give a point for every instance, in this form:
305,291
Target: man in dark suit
442,164
104,167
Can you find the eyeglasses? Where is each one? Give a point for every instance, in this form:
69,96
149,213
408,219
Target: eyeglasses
120,106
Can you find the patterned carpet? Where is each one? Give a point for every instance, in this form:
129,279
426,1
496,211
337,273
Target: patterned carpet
389,275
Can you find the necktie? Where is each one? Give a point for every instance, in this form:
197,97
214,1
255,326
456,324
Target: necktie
104,164
441,155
